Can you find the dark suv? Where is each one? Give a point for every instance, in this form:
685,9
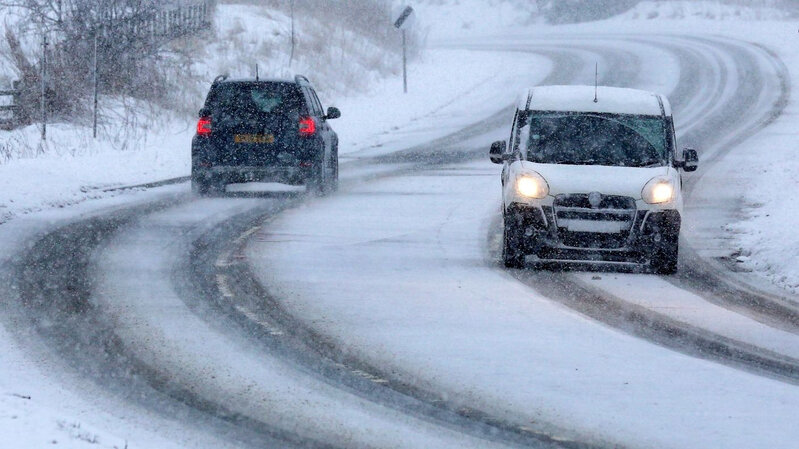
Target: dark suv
264,131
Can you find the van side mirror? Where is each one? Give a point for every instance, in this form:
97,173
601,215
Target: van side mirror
497,152
690,160
332,113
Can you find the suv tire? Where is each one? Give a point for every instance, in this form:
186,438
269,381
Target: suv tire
333,180
200,187
317,181
512,240
665,256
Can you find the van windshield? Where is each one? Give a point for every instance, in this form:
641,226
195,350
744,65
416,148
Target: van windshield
594,139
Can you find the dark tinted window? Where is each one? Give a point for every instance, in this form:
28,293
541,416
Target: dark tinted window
317,103
316,109
272,98
586,139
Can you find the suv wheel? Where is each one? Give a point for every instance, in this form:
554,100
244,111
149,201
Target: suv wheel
317,181
333,180
512,240
665,256
200,187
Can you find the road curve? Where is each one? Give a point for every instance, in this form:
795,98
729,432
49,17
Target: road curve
201,268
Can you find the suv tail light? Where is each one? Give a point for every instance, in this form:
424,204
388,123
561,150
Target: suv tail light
307,126
204,126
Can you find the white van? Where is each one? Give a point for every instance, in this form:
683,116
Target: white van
591,175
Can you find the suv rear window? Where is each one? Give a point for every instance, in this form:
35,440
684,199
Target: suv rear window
255,97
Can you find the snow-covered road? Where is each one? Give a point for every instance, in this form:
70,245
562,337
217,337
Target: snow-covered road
379,317
400,272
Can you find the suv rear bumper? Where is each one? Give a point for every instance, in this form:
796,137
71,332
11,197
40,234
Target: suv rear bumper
545,241
238,174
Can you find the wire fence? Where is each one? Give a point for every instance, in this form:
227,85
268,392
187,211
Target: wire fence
167,23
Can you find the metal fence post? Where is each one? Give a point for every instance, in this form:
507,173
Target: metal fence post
44,87
404,62
94,118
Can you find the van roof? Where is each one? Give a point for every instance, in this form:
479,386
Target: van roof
612,100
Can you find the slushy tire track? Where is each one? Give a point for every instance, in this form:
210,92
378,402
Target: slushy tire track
261,316
54,281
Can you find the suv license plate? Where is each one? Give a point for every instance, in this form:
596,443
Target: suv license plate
254,138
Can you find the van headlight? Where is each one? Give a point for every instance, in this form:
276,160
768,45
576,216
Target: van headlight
532,185
658,191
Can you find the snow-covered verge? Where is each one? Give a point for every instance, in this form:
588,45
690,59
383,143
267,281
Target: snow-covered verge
71,167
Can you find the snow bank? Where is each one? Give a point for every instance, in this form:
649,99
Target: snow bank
710,10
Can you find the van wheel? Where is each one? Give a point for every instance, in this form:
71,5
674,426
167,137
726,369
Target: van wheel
512,253
665,256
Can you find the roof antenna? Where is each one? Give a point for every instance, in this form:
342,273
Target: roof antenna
256,73
596,83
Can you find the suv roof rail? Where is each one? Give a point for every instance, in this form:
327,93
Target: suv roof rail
301,79
662,107
220,78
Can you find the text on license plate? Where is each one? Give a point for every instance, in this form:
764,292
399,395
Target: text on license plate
254,138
